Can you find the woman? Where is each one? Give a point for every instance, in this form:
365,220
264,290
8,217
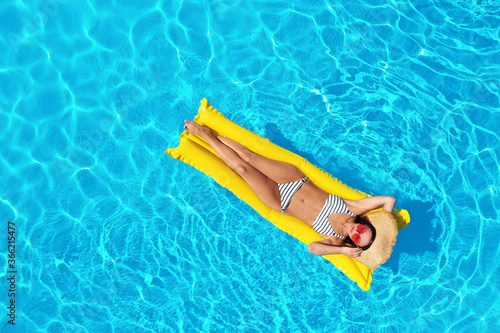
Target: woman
285,188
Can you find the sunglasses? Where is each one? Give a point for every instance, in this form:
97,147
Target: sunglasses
361,229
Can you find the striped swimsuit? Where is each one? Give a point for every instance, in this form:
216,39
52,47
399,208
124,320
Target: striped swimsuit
333,205
288,190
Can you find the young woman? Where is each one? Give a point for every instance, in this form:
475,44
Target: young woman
285,188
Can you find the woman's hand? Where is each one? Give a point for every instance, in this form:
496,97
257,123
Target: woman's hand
352,252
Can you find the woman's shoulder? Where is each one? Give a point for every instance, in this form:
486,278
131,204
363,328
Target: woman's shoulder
332,240
339,219
364,205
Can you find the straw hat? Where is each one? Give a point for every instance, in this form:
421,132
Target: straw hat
381,249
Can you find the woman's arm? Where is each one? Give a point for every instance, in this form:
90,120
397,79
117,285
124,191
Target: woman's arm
324,247
364,205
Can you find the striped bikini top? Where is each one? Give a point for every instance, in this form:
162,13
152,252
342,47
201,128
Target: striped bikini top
333,205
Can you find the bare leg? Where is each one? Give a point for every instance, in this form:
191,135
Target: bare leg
263,186
278,171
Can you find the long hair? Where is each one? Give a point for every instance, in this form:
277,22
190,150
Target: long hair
362,220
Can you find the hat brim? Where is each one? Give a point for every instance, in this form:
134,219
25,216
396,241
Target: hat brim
387,231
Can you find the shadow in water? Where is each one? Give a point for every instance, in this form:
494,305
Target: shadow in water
420,234
275,136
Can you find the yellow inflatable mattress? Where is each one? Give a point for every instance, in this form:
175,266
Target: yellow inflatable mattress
196,152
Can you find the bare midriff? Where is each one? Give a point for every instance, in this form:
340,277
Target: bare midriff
307,202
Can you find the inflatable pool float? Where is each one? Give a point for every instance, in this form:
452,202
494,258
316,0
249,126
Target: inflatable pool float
196,152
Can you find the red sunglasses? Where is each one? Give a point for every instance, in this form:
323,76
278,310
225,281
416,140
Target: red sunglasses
361,229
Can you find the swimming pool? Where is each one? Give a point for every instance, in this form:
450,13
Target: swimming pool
397,98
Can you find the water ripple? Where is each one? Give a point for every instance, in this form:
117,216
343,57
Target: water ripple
398,98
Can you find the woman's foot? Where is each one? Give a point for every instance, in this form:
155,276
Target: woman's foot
194,128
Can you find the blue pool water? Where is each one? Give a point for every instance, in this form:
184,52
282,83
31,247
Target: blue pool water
112,235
